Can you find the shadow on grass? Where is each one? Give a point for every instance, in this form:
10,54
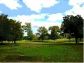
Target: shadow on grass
9,44
18,58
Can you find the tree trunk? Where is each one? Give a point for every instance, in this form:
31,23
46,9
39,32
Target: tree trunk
14,42
76,39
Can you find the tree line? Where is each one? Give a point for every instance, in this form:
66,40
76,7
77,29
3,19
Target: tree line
42,32
11,30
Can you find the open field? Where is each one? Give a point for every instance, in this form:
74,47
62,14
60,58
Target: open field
42,51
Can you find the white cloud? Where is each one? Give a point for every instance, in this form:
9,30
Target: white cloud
37,5
38,20
12,4
28,18
77,8
46,24
21,18
76,11
0,12
55,17
76,2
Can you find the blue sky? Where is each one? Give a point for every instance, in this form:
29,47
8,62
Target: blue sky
41,12
61,7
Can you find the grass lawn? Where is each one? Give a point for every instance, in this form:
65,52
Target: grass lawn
35,52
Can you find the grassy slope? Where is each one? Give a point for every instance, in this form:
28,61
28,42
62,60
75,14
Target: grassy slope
35,52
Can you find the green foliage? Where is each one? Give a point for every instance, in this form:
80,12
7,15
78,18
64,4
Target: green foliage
10,30
43,33
54,32
73,25
3,21
27,28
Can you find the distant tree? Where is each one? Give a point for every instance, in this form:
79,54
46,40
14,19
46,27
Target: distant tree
35,37
27,28
43,33
54,32
73,25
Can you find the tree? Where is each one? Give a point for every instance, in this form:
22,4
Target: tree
42,32
16,31
13,30
3,20
27,28
73,25
54,32
10,30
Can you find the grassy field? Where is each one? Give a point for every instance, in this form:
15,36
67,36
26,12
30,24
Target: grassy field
42,51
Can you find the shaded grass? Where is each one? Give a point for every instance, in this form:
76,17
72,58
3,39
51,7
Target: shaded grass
41,52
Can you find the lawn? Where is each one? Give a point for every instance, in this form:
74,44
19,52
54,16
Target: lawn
41,52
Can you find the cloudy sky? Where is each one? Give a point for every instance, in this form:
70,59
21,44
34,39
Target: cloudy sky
41,12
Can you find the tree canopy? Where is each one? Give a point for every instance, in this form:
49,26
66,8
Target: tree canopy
27,28
10,29
54,30
73,25
43,32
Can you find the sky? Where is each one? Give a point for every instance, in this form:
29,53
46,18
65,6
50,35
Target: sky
41,12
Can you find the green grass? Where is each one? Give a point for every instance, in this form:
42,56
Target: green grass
28,51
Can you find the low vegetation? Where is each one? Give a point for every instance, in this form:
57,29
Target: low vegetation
58,51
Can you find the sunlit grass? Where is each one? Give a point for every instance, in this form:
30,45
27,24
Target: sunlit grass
42,51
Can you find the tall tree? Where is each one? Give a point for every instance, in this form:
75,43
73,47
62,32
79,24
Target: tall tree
10,30
54,32
14,30
43,33
3,21
27,28
73,25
